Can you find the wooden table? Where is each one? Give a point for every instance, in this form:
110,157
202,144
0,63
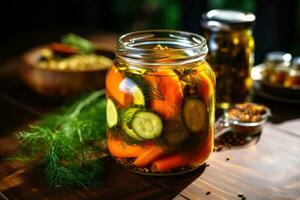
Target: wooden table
268,169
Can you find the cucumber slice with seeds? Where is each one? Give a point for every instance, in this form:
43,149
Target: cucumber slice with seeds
195,115
147,125
111,113
126,119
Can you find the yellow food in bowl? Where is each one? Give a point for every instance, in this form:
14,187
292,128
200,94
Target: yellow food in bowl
76,62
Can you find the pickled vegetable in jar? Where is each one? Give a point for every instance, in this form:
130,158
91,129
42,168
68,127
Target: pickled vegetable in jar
231,46
160,102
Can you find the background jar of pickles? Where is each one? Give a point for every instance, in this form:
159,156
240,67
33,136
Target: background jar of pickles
231,53
277,66
293,79
160,102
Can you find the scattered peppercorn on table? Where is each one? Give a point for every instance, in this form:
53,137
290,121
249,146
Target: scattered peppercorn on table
264,167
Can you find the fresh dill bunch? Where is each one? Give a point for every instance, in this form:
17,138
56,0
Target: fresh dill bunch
66,143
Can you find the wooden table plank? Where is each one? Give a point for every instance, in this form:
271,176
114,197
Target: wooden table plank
14,117
20,183
2,196
292,126
267,170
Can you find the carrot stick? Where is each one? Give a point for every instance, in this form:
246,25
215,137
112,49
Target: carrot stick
167,93
196,158
121,149
169,162
206,87
148,156
113,81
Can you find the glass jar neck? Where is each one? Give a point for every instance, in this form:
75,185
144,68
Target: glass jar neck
230,30
161,47
227,20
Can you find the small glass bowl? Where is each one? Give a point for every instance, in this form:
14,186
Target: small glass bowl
226,123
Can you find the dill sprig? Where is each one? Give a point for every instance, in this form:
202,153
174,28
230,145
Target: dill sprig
66,143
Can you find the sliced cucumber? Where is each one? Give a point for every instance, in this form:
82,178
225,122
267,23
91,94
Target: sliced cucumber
140,90
138,96
147,125
126,119
195,115
111,113
131,87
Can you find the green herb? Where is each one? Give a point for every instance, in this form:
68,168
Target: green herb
66,143
149,91
80,43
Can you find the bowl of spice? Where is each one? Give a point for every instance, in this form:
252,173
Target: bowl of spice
65,68
243,118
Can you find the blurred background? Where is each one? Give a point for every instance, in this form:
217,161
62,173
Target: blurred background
25,24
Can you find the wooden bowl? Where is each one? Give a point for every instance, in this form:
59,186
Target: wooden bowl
60,83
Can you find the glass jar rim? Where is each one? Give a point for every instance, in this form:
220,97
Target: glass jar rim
129,47
222,19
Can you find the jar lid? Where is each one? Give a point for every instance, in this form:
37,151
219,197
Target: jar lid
296,63
278,56
222,19
278,59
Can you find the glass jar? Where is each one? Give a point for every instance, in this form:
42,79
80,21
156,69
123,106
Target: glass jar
276,67
160,102
231,45
293,79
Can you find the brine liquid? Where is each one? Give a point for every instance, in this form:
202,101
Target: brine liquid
231,56
182,97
